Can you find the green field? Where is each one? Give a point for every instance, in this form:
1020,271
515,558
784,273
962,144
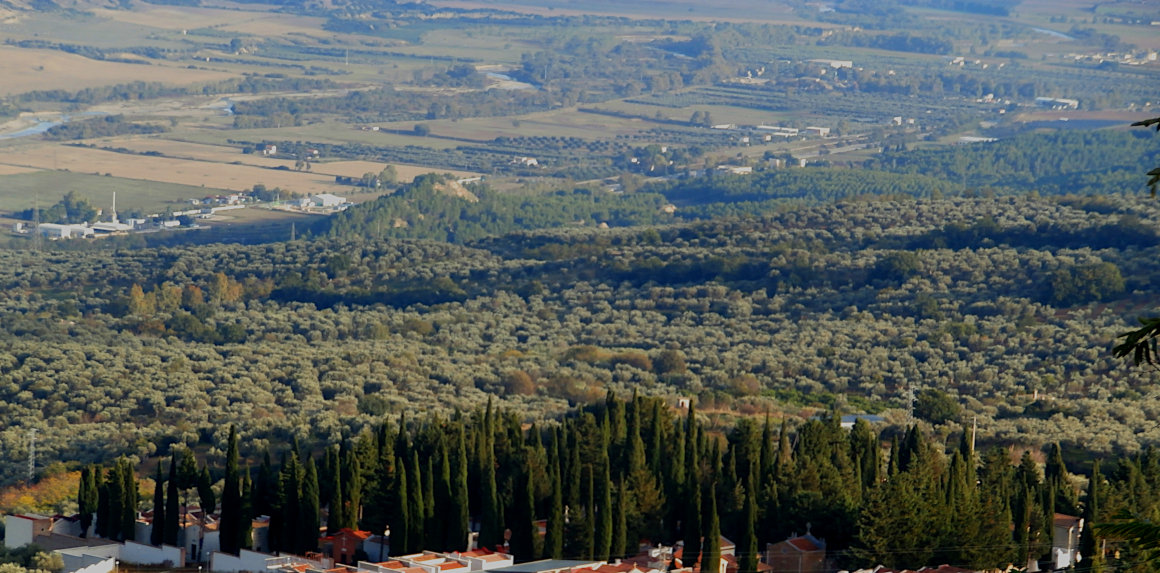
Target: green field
23,191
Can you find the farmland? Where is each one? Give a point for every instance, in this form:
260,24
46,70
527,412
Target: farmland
491,84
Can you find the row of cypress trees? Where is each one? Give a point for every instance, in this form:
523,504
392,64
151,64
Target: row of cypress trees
613,474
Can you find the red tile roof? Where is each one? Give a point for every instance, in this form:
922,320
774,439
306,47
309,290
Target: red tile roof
803,544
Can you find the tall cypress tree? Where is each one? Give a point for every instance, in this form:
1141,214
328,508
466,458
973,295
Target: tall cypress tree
335,518
603,542
231,517
523,541
711,546
246,531
351,487
416,507
747,546
157,531
87,497
491,523
103,528
691,524
131,501
620,546
459,516
289,511
440,512
171,525
311,513
400,518
554,536
1089,544
431,535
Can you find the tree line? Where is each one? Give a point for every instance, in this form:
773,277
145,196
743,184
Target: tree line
606,476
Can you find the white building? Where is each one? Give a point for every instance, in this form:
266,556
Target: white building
58,231
327,200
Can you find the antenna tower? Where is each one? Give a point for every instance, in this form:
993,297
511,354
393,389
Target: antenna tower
909,404
31,454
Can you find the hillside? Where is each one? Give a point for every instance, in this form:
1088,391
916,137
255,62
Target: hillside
847,305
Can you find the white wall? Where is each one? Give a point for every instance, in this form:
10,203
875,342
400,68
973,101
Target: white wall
142,554
17,531
245,561
88,564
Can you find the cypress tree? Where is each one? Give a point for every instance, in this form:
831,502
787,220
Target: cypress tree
103,507
620,521
205,493
441,511
171,525
554,537
231,517
692,518
523,541
1089,544
400,520
311,512
267,488
157,531
417,508
589,523
335,519
491,523
747,545
131,501
115,502
430,535
603,543
290,506
351,479
711,552
246,530
87,497
459,515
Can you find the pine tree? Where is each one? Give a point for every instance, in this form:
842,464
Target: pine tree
231,517
171,524
157,531
311,513
431,535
